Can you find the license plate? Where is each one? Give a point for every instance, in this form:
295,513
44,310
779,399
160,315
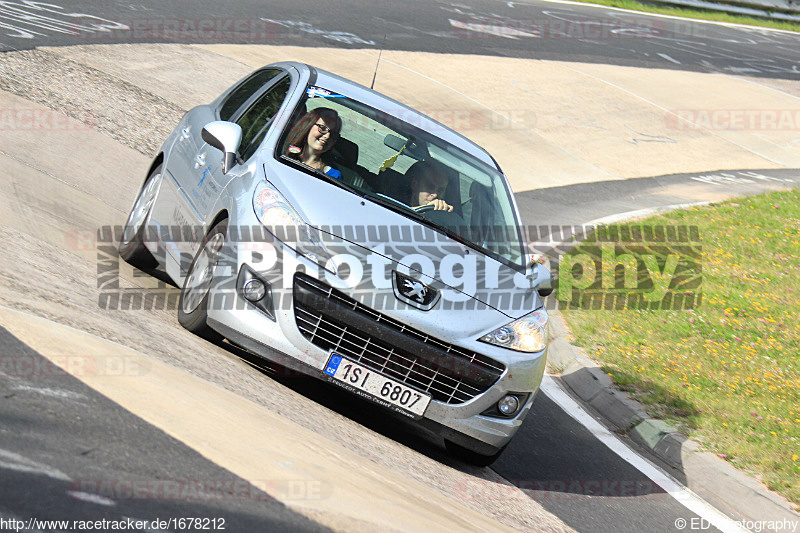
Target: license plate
381,389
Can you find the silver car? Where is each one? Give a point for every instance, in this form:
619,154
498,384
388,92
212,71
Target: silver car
324,226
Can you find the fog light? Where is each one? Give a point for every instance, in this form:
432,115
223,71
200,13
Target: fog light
254,290
508,405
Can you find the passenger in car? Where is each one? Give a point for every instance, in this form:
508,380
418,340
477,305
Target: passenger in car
428,185
312,137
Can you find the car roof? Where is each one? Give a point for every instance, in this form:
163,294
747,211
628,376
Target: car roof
334,82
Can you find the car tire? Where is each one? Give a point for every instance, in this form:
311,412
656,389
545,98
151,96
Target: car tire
131,243
193,301
469,456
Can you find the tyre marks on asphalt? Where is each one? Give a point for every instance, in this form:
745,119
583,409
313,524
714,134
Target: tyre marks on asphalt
340,37
588,30
552,30
28,19
19,463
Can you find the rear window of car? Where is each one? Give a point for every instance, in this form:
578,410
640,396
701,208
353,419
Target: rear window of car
245,90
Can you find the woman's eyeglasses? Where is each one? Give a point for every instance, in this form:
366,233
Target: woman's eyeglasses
323,129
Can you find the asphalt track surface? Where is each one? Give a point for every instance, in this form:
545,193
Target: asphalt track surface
546,210
62,442
69,453
552,456
528,29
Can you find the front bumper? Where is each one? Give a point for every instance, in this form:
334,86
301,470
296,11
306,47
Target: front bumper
464,377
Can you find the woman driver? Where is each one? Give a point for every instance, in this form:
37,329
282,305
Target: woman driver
313,136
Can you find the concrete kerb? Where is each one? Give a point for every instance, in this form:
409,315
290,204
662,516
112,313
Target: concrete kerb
728,489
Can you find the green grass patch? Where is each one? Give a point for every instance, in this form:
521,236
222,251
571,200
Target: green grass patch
696,14
728,371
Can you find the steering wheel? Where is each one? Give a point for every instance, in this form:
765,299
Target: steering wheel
424,208
393,200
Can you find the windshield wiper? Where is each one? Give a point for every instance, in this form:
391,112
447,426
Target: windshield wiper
404,210
398,207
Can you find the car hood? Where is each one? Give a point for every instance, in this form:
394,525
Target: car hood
355,229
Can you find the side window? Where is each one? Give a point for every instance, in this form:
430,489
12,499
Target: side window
240,94
256,120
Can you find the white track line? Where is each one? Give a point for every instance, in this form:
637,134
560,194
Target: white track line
668,58
684,496
638,213
19,463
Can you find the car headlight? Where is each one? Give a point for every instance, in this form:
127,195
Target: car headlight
285,223
526,334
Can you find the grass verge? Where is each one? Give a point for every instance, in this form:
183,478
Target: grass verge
695,14
727,372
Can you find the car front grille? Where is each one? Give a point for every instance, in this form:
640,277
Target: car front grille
335,322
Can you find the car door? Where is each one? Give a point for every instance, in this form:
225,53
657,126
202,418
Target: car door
175,215
194,170
193,159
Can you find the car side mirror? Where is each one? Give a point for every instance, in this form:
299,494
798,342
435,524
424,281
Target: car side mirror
225,137
540,277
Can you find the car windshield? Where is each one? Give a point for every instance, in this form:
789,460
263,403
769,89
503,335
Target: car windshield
406,169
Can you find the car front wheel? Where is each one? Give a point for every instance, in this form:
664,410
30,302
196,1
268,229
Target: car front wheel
193,302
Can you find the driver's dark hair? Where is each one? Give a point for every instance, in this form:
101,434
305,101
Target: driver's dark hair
422,168
299,132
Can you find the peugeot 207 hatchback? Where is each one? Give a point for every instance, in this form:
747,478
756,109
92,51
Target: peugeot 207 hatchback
322,225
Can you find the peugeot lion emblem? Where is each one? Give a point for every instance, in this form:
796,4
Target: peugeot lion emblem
414,289
414,292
